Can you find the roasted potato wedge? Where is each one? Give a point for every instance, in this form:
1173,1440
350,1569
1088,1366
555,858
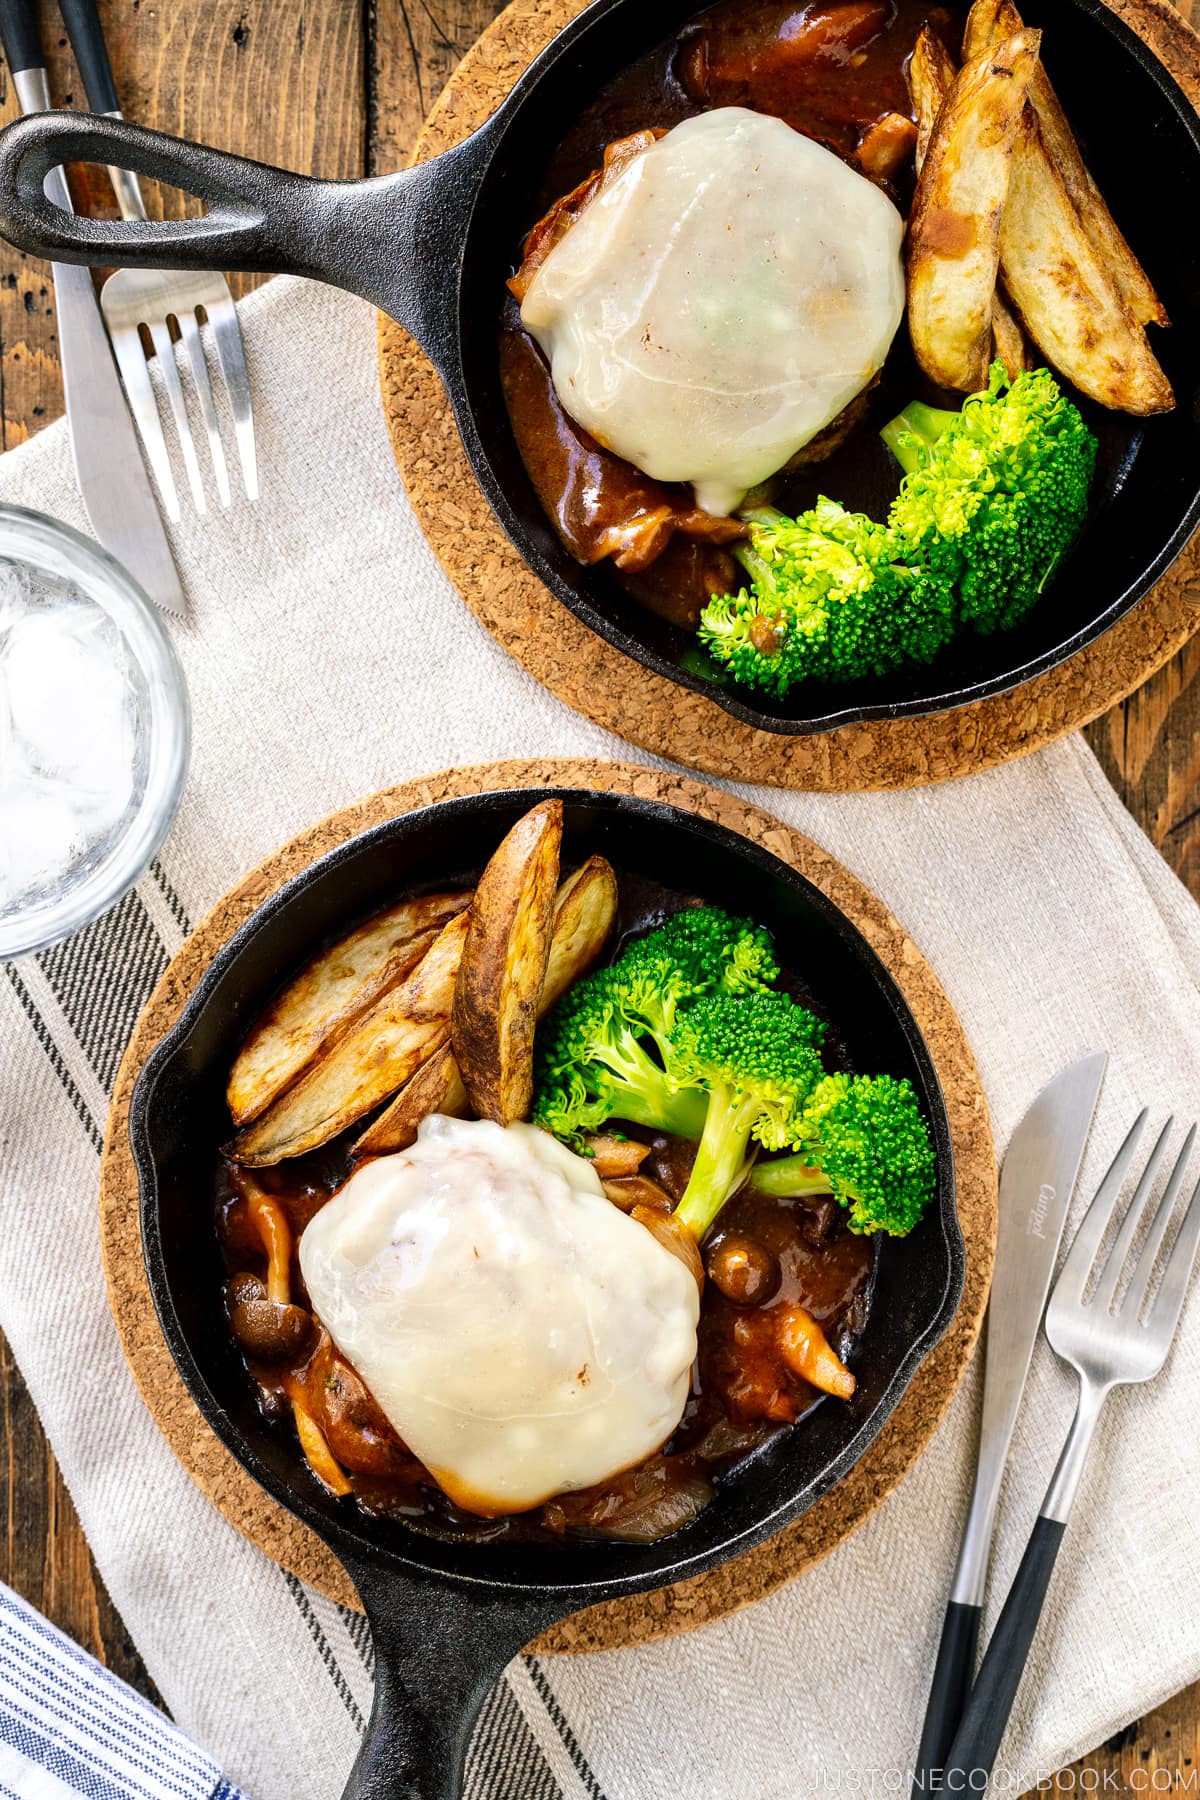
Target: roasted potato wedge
1009,342
437,1087
931,73
954,229
990,22
371,1060
584,910
504,966
336,988
1063,293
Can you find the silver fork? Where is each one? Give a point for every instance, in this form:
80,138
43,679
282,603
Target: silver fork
132,298
1109,1335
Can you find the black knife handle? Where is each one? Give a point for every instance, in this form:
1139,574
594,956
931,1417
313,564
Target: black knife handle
953,1674
20,36
91,53
986,1714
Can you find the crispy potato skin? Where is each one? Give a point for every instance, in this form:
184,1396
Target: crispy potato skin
584,910
436,1087
989,22
1009,342
931,74
1064,294
504,965
369,1062
954,230
336,988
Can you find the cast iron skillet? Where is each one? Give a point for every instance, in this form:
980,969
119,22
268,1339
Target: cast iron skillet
432,246
447,1615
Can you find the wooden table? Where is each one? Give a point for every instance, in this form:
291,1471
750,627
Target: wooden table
335,87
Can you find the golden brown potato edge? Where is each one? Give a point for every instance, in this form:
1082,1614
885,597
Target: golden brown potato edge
503,966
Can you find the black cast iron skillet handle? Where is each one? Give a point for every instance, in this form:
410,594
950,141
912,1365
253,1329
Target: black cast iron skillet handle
364,236
440,1647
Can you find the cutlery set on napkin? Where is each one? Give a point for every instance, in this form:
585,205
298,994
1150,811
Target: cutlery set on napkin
1111,1317
103,407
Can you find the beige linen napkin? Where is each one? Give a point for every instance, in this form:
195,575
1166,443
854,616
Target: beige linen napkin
328,656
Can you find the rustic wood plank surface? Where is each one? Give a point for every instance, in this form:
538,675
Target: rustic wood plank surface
338,87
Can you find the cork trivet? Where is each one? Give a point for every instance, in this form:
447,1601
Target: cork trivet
647,709
642,1617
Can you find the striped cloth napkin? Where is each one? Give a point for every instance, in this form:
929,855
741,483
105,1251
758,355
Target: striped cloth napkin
69,1727
327,657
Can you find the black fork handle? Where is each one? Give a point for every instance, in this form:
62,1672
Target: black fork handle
972,1756
395,240
91,54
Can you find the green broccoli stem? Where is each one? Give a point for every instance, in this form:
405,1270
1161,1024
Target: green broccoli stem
915,431
722,1160
757,568
681,1113
785,1176
761,574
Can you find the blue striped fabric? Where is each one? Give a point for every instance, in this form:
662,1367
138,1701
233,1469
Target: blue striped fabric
70,1727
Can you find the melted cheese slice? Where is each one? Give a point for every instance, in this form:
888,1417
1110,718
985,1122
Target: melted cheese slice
720,302
522,1335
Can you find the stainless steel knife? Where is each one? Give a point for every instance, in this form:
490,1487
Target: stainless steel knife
1036,1184
113,483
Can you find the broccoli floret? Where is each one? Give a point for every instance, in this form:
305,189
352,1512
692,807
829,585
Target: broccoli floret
993,498
830,600
606,1049
714,950
593,1060
684,1034
864,1139
758,1058
994,495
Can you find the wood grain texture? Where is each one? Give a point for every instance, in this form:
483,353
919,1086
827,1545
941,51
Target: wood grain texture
340,87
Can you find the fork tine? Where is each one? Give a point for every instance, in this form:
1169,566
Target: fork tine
231,353
1110,1274
1082,1254
189,336
164,349
1168,1302
135,377
1144,1267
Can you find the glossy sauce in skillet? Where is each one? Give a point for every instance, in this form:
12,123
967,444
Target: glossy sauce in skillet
835,72
742,1393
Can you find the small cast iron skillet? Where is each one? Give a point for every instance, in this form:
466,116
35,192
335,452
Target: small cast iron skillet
447,1615
432,246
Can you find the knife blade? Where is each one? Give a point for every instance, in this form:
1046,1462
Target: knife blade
1040,1170
113,483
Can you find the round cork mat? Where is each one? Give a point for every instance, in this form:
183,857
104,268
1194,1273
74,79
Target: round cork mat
641,1617
648,709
